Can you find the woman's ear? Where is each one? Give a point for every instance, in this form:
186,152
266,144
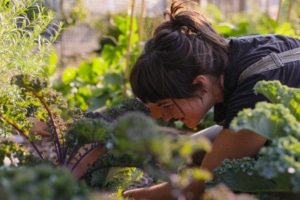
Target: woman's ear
203,81
200,79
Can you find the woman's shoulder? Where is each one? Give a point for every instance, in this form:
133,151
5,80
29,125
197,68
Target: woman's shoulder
247,50
264,42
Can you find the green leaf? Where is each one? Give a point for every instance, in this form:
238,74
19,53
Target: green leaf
224,28
87,131
86,73
240,176
113,78
285,29
85,91
143,134
278,93
69,75
267,120
98,66
98,102
51,67
111,54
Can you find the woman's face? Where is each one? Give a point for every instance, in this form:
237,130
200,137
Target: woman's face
189,110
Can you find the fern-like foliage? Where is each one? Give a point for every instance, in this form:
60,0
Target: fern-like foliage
24,50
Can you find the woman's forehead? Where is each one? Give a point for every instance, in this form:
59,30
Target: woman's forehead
159,102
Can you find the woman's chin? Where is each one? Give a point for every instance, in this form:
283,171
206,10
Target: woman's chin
190,125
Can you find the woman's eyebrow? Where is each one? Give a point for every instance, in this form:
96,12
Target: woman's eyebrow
163,103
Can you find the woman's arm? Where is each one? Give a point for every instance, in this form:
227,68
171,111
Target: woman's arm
227,145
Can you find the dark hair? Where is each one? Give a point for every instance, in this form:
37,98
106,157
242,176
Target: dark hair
182,47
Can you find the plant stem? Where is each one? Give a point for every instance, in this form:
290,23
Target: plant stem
88,151
72,155
141,29
54,132
279,10
290,11
23,132
128,48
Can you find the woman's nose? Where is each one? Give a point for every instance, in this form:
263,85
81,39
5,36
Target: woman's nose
166,116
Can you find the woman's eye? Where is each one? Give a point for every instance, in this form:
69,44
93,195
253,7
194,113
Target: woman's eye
168,107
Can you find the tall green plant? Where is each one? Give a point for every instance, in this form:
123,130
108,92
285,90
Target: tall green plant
24,44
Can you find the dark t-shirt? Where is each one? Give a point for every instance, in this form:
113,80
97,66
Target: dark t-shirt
244,52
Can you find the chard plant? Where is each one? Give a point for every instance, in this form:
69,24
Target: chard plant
275,171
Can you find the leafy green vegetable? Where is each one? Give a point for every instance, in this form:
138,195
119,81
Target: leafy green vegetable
268,120
276,169
278,93
241,175
41,182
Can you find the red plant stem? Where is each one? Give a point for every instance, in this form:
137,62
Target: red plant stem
19,129
55,134
88,151
72,155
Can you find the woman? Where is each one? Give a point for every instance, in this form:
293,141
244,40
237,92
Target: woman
187,68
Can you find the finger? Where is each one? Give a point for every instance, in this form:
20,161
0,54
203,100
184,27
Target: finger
135,193
129,193
126,193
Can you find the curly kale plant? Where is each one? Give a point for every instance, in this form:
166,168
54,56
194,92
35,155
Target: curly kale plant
277,165
41,182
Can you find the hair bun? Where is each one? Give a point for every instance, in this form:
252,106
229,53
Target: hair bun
174,16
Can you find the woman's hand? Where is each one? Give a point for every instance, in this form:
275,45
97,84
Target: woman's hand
161,191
